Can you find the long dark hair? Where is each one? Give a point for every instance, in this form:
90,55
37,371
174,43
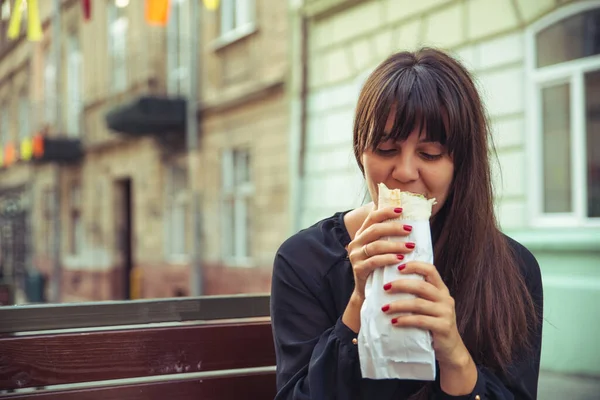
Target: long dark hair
428,88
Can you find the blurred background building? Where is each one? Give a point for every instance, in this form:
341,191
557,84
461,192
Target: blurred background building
105,195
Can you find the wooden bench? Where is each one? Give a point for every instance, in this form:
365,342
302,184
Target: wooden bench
190,348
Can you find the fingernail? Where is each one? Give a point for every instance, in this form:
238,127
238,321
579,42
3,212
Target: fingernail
397,210
410,245
401,267
407,228
385,308
387,286
394,320
400,257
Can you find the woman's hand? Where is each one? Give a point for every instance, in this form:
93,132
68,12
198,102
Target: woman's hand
433,310
369,251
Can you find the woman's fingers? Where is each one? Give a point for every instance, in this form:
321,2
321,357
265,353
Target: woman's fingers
381,215
417,287
438,326
427,271
414,306
380,247
381,230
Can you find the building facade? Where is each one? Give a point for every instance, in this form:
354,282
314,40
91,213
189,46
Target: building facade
537,64
106,211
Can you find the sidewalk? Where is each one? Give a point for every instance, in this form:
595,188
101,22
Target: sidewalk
554,386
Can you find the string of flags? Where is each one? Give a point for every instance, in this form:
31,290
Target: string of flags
156,13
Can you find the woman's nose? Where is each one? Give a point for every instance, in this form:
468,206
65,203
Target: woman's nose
405,169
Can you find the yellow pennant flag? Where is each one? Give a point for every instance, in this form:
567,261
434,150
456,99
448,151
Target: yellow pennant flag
34,26
211,4
26,149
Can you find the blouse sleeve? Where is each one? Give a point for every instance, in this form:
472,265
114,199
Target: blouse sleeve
316,357
520,382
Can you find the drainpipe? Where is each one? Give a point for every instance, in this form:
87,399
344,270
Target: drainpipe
56,47
298,112
192,132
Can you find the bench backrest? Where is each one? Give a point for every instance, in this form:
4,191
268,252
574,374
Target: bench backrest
183,360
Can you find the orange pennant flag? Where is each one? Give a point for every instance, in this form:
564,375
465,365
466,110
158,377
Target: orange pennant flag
157,12
9,154
38,146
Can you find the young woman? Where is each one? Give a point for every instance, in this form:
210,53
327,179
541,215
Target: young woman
419,126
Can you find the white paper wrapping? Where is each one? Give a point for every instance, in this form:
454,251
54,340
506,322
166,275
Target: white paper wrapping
386,351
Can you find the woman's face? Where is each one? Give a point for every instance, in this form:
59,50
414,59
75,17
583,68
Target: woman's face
414,165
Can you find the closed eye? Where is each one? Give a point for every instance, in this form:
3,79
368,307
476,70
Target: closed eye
385,152
431,157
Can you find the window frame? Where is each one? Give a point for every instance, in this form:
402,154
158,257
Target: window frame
174,200
571,72
238,29
74,84
117,60
179,46
234,201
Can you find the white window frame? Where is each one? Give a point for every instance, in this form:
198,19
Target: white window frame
49,89
239,194
74,85
571,72
237,19
177,212
179,45
117,47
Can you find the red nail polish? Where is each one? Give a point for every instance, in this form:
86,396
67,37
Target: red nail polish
385,308
397,210
407,228
387,286
401,267
400,257
410,245
394,320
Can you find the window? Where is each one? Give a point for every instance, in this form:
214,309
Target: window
117,46
24,117
565,116
76,231
5,6
237,190
73,86
179,43
178,215
49,88
237,18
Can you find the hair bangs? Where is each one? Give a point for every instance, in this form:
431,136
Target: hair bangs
417,104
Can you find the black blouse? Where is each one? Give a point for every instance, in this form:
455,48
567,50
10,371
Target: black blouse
316,359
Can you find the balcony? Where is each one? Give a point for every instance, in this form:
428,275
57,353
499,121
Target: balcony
42,149
39,140
148,114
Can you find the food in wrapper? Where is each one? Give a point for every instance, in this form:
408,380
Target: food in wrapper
387,351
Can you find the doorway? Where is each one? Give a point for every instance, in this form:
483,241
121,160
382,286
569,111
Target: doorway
124,238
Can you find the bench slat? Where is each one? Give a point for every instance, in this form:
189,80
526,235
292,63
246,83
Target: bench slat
40,360
255,387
